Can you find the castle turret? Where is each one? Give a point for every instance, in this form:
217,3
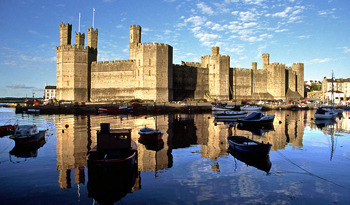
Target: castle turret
215,51
135,38
254,66
92,37
79,39
265,60
65,34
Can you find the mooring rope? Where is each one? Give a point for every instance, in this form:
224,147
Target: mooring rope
310,172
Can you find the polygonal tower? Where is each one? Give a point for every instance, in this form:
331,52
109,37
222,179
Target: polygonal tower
135,38
74,65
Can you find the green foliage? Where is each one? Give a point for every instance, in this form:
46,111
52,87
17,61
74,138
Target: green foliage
316,86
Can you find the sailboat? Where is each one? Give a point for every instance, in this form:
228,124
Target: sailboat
326,113
148,133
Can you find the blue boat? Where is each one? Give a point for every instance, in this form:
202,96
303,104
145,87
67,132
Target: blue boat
243,144
257,117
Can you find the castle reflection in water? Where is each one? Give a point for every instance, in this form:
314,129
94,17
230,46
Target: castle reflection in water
77,134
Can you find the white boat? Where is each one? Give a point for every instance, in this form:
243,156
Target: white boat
222,108
25,134
325,114
329,112
230,115
337,110
251,108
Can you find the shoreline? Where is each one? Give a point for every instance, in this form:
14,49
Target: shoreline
144,108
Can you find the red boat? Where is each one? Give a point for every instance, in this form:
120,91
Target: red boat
121,109
150,133
4,129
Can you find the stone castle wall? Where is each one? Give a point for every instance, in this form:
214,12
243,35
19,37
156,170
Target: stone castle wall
151,75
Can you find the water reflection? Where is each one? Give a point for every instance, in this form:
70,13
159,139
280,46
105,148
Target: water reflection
76,135
26,151
260,162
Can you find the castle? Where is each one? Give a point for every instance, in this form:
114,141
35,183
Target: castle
150,74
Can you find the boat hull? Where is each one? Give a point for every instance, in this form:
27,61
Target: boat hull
7,128
230,115
243,144
264,120
123,158
22,140
115,110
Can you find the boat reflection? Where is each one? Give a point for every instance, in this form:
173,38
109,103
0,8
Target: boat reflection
260,162
108,183
324,123
26,151
258,129
155,145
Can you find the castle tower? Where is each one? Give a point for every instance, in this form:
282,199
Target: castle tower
298,68
254,66
92,37
79,39
74,65
218,74
65,34
265,60
135,38
215,51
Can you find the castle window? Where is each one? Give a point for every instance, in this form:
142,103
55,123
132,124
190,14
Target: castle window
149,72
139,62
150,61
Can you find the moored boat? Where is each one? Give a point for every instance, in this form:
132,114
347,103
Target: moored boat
114,146
244,144
230,115
150,133
257,118
8,127
250,108
325,114
25,134
121,109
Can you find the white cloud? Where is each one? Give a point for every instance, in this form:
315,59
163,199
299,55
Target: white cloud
218,27
314,61
196,20
345,49
247,16
205,9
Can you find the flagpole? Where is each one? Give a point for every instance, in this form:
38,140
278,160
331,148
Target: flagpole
93,17
79,23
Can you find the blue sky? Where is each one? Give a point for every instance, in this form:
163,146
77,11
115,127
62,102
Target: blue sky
313,32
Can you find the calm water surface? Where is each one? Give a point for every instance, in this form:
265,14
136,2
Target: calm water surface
310,161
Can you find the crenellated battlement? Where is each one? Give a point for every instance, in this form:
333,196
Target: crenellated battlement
64,25
134,26
117,62
191,64
72,48
157,45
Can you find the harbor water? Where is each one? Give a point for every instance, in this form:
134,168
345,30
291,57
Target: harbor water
309,161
